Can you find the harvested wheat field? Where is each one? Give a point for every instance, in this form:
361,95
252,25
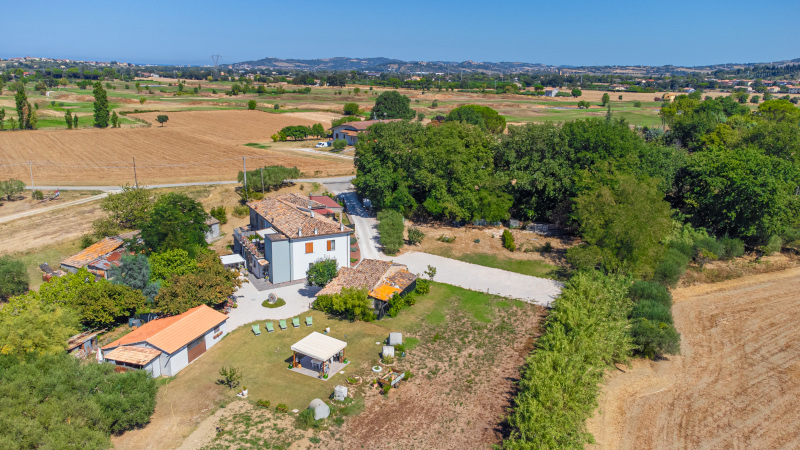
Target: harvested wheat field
736,383
192,146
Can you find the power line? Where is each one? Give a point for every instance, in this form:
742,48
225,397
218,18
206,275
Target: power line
139,166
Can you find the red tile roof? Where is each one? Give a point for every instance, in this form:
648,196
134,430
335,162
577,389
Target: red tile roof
294,221
382,278
170,334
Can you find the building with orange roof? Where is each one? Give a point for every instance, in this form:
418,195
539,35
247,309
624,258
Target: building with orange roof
99,257
165,346
382,279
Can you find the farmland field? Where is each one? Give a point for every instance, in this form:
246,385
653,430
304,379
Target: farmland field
192,146
734,386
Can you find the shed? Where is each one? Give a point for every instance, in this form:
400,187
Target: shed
213,232
233,261
319,350
321,410
395,338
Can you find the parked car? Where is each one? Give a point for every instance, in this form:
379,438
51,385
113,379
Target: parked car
325,144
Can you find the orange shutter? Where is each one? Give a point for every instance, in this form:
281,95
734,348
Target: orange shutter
330,245
309,247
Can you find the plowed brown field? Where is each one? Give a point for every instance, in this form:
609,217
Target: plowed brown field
192,146
736,384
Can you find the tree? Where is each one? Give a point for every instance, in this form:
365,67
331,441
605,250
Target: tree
11,188
268,178
755,99
176,221
351,109
142,100
57,401
606,99
318,130
134,272
36,330
75,121
352,303
211,284
296,132
420,116
321,272
779,111
138,87
251,105
2,117
101,114
13,278
391,229
576,93
114,120
68,119
162,118
171,262
130,209
482,116
393,105
625,218
23,107
231,376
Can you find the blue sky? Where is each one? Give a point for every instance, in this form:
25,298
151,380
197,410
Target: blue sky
579,32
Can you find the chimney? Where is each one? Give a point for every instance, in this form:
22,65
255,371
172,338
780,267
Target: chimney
341,226
312,214
300,232
316,231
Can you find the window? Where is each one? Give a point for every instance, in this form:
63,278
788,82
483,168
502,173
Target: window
331,245
309,247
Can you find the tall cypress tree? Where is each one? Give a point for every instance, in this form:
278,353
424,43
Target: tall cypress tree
22,105
101,114
68,118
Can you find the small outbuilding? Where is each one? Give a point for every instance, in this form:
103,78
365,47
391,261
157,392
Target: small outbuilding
233,261
319,353
213,232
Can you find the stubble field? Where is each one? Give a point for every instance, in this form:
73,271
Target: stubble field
736,383
192,146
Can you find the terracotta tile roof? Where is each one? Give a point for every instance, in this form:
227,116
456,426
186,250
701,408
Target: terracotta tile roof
402,279
372,274
93,252
299,200
291,220
325,200
171,333
133,355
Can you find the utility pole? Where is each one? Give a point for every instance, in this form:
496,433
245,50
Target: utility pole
30,166
135,179
244,177
262,180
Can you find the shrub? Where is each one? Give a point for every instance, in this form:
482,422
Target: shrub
508,241
353,240
708,248
652,310
220,214
280,302
654,339
684,248
351,303
263,403
37,195
637,104
339,144
773,245
322,272
647,290
446,239
276,106
241,211
732,247
87,240
390,228
305,420
423,286
282,408
670,268
415,235
350,109
546,248
251,105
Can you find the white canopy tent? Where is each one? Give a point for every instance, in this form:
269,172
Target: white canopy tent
234,260
319,346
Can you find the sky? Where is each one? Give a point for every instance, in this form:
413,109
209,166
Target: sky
578,32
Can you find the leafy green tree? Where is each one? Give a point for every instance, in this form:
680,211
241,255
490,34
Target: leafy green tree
101,114
484,117
3,118
114,120
321,272
351,109
393,105
742,193
57,401
576,93
251,105
779,111
352,303
626,219
75,121
13,277
11,188
36,330
296,132
68,119
162,119
655,338
134,272
318,130
755,99
391,229
211,284
339,144
420,116
171,262
605,99
176,221
130,208
23,107
268,177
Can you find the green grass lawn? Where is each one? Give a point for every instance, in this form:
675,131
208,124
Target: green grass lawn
52,255
534,268
263,360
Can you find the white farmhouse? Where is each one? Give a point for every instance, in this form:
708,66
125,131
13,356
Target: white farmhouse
286,235
165,346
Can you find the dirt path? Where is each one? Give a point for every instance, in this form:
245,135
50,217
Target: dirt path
33,212
736,384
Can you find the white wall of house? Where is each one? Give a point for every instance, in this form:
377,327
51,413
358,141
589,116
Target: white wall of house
301,259
210,341
154,368
176,362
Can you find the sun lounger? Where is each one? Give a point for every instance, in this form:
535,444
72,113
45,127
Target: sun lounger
282,324
256,330
296,322
309,321
269,327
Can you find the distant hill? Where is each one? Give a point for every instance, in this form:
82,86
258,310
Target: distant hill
396,65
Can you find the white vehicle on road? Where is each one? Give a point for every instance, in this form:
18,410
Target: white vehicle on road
324,144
